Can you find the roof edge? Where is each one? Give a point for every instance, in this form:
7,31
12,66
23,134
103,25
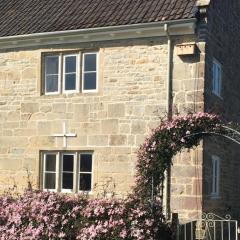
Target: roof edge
176,27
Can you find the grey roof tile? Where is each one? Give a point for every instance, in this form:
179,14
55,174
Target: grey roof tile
19,17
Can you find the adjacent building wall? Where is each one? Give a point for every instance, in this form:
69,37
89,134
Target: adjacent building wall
222,43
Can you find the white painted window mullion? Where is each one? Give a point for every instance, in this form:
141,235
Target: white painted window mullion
58,172
75,173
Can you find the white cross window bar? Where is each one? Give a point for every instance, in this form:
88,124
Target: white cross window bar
65,135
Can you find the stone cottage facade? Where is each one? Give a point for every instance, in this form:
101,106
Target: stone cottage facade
82,84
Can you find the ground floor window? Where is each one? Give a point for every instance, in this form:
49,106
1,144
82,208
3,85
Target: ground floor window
67,171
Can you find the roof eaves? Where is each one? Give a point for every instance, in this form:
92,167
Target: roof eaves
176,27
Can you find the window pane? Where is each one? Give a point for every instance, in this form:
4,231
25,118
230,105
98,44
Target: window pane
67,181
70,64
90,62
214,73
214,177
52,64
90,81
216,81
70,81
50,181
68,163
50,162
85,182
86,163
219,80
51,83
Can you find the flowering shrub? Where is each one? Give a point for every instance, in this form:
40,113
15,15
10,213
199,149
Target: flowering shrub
44,215
40,215
116,219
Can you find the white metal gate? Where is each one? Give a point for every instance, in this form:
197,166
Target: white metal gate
209,227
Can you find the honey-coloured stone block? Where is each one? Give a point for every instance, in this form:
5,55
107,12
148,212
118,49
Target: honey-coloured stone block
118,140
29,107
116,110
138,127
81,112
109,126
98,140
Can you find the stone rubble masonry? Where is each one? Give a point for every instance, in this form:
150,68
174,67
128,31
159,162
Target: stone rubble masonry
186,183
113,123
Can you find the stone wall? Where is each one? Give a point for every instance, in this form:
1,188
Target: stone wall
186,184
185,191
112,123
222,34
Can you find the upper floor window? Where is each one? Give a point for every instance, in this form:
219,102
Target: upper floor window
69,73
215,176
67,171
217,78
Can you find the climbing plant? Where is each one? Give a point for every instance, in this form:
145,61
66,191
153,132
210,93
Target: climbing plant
156,153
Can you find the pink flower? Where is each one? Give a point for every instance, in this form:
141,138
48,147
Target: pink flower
123,233
183,140
61,235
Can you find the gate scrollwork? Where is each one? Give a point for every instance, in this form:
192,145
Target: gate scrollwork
210,226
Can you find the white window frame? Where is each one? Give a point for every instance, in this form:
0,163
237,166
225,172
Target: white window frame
215,176
59,75
97,72
77,73
80,56
59,171
79,172
217,78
